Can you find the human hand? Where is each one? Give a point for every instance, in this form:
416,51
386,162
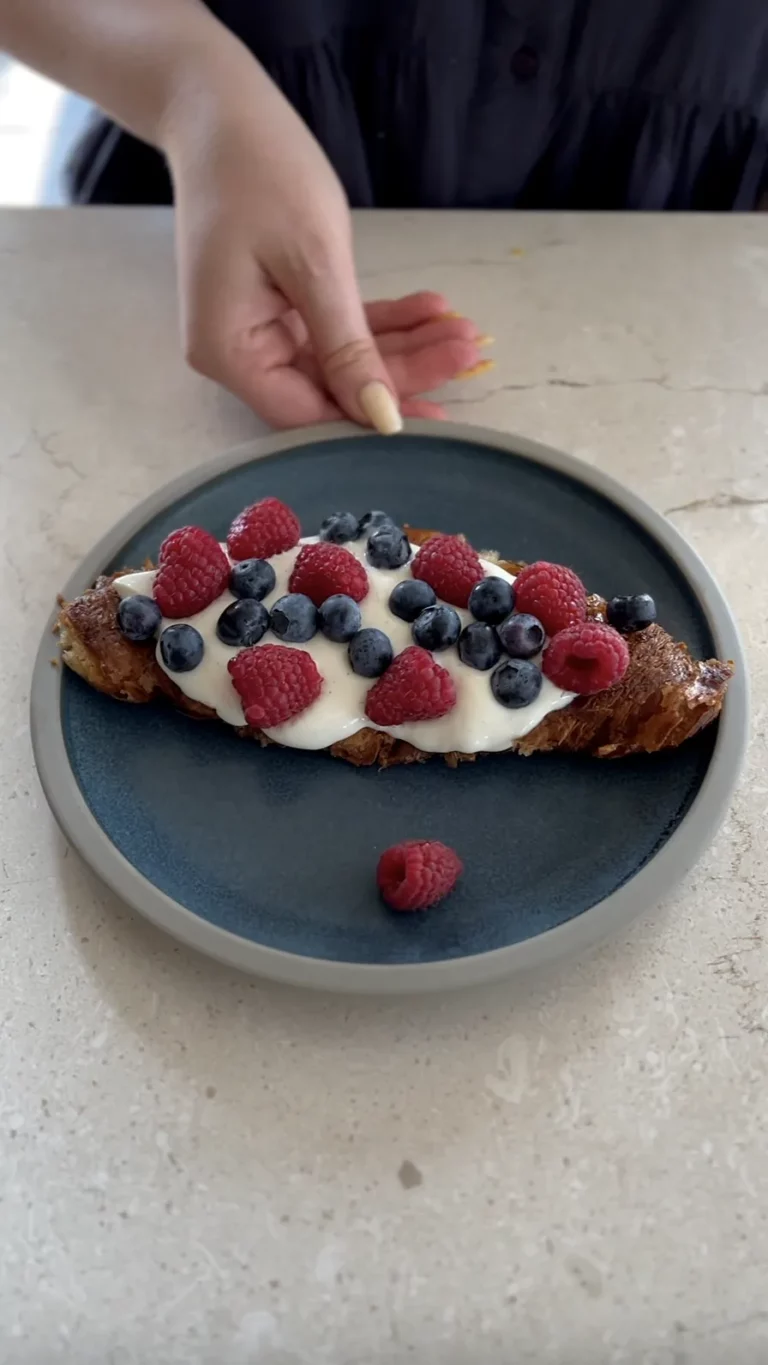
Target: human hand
270,302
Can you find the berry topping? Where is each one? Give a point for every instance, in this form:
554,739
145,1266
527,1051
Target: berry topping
410,598
586,658
516,683
630,614
521,635
181,648
417,874
340,618
293,618
266,528
370,653
388,548
192,571
242,623
450,566
274,684
138,618
371,521
252,578
491,600
415,687
436,628
553,594
479,646
338,527
325,570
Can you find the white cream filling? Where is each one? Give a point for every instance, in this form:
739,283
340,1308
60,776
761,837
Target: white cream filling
477,723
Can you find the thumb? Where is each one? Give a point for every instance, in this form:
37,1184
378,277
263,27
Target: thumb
328,300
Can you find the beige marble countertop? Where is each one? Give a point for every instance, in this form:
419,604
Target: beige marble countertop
200,1169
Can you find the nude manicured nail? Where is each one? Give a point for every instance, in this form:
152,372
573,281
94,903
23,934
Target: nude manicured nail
380,408
481,368
485,340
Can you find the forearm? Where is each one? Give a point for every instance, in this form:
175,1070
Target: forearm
137,59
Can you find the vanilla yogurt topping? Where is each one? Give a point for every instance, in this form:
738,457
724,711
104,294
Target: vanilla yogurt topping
477,723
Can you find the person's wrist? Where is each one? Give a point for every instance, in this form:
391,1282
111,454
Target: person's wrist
200,84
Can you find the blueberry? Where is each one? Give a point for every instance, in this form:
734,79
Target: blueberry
252,578
181,648
294,618
372,521
491,600
338,527
516,683
630,614
340,618
479,646
138,618
410,598
436,628
370,653
242,623
388,548
521,636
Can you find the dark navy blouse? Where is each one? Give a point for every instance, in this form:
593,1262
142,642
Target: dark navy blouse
593,104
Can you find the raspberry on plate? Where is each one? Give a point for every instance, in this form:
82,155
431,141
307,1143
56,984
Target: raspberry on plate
417,874
274,683
266,528
414,687
325,570
192,571
450,566
552,593
586,658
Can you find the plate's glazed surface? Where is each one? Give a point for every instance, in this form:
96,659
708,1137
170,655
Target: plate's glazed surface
278,848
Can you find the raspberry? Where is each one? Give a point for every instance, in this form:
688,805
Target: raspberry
553,594
450,566
274,683
265,529
586,658
192,571
417,874
414,687
323,570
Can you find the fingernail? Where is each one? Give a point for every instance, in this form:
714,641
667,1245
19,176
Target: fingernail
380,408
452,314
481,368
485,340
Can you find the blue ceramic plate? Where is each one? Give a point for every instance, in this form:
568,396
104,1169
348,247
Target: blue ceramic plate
266,858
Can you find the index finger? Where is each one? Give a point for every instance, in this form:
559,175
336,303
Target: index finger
394,315
282,395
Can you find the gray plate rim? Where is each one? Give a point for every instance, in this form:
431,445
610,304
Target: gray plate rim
644,890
